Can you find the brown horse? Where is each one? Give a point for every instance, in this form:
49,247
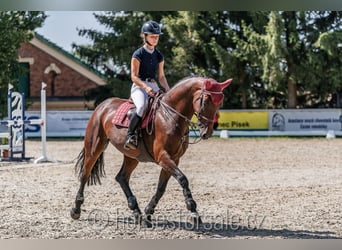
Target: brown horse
163,143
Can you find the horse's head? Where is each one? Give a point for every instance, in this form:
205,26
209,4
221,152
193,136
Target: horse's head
207,103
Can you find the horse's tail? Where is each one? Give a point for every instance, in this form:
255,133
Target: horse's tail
97,171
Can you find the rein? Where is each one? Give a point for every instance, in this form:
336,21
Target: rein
193,125
168,110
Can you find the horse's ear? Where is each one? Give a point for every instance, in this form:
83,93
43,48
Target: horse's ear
208,84
226,83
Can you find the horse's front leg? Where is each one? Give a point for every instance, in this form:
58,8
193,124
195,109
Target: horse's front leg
189,201
123,177
171,166
162,183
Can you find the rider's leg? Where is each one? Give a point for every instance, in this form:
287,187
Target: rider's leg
132,138
139,98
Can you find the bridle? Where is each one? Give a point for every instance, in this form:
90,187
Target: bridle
203,121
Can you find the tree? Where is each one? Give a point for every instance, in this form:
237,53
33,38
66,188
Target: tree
16,27
273,57
330,44
292,65
239,55
112,50
191,33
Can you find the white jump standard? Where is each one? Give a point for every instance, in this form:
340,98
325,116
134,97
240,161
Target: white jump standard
16,127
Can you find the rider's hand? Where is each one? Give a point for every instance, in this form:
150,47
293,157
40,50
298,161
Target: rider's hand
149,91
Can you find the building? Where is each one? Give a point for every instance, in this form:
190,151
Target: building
67,77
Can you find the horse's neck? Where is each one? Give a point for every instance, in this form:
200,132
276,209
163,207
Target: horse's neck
180,100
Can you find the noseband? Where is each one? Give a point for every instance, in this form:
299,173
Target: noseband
205,121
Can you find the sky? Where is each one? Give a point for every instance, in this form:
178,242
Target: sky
60,27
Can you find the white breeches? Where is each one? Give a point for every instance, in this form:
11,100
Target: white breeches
140,97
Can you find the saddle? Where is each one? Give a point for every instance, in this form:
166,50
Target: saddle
121,117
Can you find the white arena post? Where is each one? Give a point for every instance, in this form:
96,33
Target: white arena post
44,157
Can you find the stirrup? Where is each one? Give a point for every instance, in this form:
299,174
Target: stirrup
131,142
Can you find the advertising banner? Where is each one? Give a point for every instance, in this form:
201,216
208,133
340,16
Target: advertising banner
243,120
305,120
59,123
299,121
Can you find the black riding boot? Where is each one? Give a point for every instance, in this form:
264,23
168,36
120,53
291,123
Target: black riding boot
132,138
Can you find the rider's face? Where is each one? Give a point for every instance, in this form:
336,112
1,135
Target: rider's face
152,39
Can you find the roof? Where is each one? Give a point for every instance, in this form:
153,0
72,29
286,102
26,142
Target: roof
68,59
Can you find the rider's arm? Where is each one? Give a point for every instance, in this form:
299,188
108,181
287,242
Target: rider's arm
161,76
135,64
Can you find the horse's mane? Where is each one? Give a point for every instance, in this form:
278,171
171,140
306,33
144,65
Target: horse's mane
185,79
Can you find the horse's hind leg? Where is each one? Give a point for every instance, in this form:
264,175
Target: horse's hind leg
123,177
75,212
162,183
90,162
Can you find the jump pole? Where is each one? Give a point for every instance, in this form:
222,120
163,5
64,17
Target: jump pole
44,157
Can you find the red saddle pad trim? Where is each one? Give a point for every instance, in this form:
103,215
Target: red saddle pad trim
121,118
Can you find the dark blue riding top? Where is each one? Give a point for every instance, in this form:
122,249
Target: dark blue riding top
148,62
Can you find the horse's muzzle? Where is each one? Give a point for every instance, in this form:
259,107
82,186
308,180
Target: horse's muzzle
205,132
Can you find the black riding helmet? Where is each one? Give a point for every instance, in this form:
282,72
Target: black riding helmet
151,27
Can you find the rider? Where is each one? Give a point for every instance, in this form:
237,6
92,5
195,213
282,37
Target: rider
146,62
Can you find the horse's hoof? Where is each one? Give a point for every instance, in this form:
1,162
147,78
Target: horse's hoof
75,215
148,224
138,218
148,221
196,221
